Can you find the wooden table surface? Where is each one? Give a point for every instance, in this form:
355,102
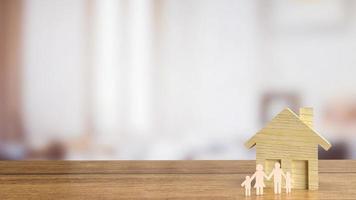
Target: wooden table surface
157,180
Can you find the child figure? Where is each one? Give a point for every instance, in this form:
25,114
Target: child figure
288,183
247,184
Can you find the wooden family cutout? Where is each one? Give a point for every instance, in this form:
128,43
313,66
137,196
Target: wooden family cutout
259,177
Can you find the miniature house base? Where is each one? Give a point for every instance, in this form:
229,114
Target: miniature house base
291,140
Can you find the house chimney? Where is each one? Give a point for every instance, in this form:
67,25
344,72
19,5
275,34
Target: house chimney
306,115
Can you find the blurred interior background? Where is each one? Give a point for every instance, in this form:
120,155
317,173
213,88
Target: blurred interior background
171,79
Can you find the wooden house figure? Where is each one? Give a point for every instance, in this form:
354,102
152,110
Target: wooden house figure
292,141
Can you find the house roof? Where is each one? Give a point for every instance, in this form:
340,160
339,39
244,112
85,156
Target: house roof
290,114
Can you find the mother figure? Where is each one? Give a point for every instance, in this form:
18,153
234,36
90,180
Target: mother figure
259,183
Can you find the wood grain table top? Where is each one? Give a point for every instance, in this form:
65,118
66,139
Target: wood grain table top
157,180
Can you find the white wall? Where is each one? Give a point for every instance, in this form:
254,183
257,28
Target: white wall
206,64
170,76
309,51
53,68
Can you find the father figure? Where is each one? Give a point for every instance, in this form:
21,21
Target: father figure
277,174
